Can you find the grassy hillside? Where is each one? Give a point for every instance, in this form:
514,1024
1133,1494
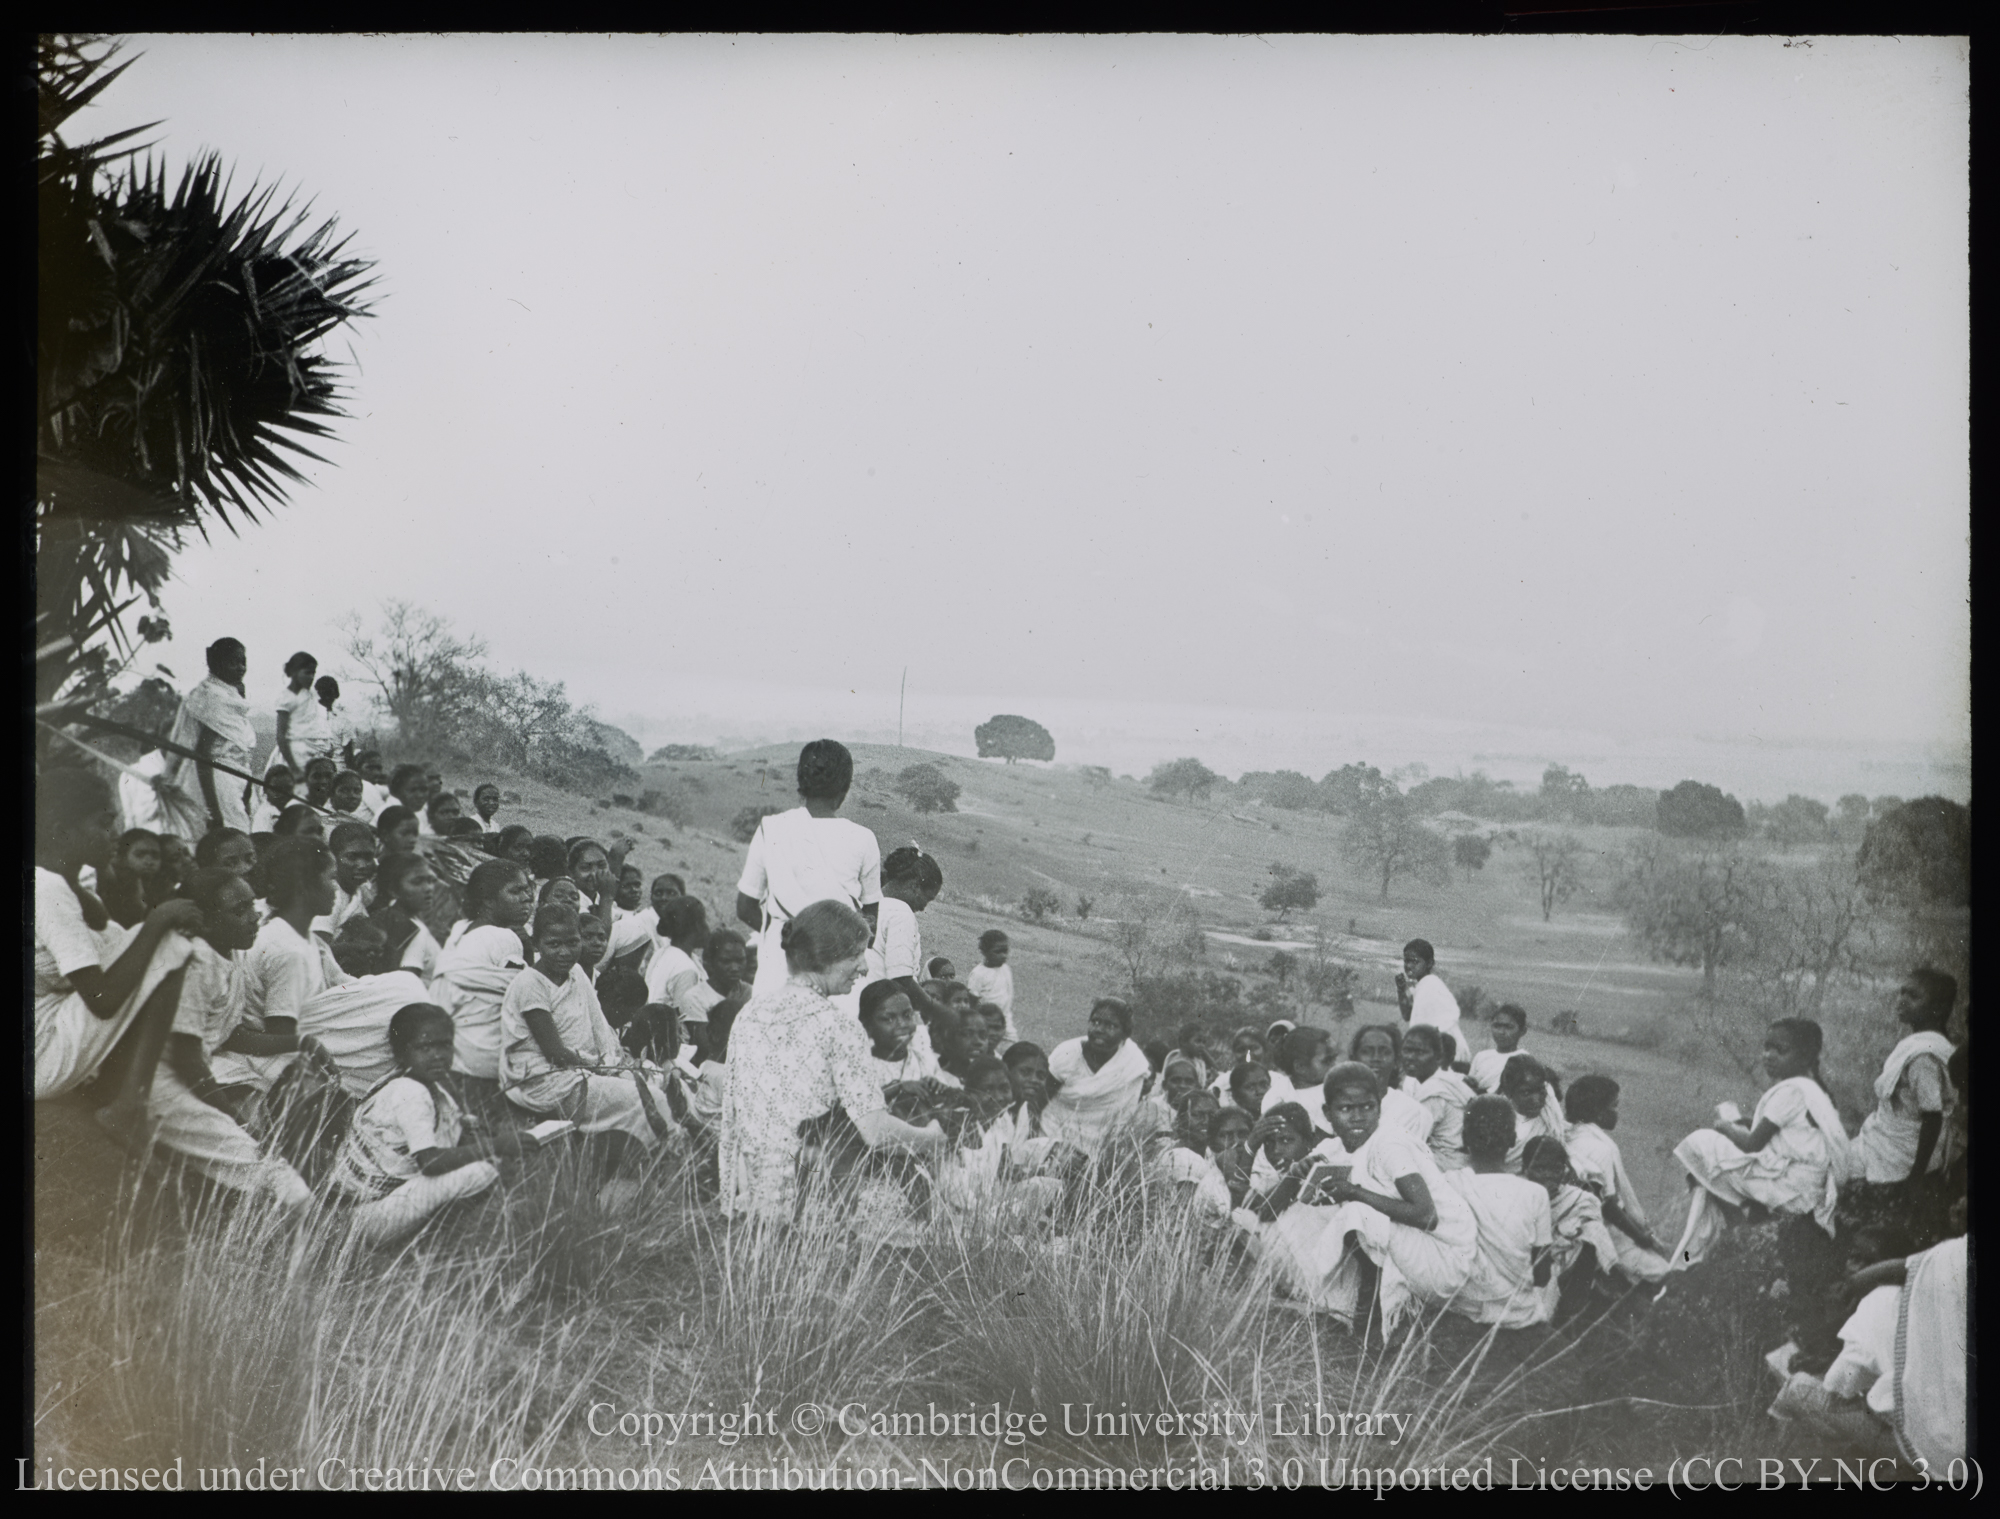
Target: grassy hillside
1023,826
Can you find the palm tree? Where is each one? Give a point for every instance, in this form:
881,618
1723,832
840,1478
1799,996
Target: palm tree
179,371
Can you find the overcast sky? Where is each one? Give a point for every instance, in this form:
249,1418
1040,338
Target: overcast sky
1613,384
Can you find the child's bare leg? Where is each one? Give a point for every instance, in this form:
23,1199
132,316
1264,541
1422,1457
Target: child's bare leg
132,1061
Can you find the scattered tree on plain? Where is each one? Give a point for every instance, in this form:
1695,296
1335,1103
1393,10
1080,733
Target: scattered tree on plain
1701,906
927,788
1565,793
1183,777
1471,851
1011,738
1554,862
1696,810
1385,837
1349,788
1796,820
1290,891
1851,818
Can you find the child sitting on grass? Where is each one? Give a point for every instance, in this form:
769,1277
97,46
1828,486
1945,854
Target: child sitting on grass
621,994
404,884
1249,1087
558,1055
1789,1158
405,1158
1441,1090
1583,1246
1513,1263
1280,1142
1197,1180
989,1168
911,1078
995,1041
1590,1108
1509,1026
1379,1046
279,792
129,885
1229,1145
194,1114
1249,1043
1305,1056
1525,1084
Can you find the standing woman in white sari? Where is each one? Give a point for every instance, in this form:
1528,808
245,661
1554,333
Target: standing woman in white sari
214,721
1789,1158
1099,1080
807,855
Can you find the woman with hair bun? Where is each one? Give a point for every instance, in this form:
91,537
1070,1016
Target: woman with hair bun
807,855
794,1056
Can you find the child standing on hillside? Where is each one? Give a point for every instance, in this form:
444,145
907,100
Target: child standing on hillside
1509,1027
1422,992
993,979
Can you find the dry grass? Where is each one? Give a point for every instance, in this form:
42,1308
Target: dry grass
228,1332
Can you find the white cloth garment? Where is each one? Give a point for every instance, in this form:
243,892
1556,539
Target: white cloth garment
1431,1002
796,859
352,1021
1511,1215
1932,1344
1090,1106
995,984
281,973
1913,1082
474,971
222,710
1798,1171
1486,1068
310,732
595,1101
211,1005
1444,1096
1595,1157
674,980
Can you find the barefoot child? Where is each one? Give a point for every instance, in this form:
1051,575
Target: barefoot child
405,1158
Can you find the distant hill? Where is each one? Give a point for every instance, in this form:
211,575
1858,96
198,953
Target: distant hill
672,753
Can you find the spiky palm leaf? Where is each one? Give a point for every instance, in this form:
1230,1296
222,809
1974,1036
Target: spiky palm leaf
179,377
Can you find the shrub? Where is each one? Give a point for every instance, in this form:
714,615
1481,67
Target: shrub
928,789
1039,903
1083,906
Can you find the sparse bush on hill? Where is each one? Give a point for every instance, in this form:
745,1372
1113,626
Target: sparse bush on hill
1387,839
669,753
1554,863
743,827
1290,891
1281,788
1039,903
1470,851
928,789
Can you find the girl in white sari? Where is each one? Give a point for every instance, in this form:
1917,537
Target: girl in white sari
478,962
1789,1158
214,722
1100,1080
1898,1142
807,855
